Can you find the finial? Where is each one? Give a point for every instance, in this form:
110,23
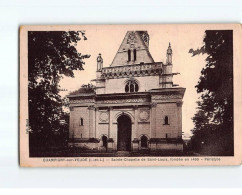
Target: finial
169,54
169,50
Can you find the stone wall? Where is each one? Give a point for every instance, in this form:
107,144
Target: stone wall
102,129
143,129
166,147
118,85
141,56
171,129
146,120
76,130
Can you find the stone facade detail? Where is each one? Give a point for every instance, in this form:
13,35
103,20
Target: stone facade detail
80,101
166,97
122,101
104,116
134,70
132,38
145,114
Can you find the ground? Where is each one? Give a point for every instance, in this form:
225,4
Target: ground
78,152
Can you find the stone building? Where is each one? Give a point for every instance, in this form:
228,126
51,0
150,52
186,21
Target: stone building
134,106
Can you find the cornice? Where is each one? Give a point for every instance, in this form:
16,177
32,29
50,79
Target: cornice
146,69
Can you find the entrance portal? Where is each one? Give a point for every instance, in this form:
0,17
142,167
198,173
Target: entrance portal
124,133
144,141
105,141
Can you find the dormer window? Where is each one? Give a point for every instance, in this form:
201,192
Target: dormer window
131,86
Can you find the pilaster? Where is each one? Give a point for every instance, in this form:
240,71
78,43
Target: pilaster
179,117
135,130
153,120
91,121
110,121
96,121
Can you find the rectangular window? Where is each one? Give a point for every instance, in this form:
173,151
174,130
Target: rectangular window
134,54
166,120
81,121
129,55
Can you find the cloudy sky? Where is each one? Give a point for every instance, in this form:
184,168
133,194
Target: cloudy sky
107,39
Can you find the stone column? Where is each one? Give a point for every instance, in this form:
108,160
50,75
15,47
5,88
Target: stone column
71,123
151,117
153,124
131,55
110,121
96,121
91,119
135,131
179,117
110,125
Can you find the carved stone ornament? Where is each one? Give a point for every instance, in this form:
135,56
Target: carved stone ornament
131,38
103,117
145,37
121,101
99,63
144,115
134,70
81,101
166,97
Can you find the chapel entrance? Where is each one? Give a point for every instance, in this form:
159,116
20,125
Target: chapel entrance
124,133
105,141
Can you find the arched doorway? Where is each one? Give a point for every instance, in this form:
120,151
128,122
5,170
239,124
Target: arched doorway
124,133
144,141
105,141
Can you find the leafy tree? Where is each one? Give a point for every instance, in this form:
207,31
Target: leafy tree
213,132
51,55
89,88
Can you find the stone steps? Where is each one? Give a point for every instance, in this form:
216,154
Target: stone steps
122,153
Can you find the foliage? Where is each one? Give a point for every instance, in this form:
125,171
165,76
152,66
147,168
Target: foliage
89,88
51,55
213,132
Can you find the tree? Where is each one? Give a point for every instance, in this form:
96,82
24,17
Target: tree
51,55
85,88
214,118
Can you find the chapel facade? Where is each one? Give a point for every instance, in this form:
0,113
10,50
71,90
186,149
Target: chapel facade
135,105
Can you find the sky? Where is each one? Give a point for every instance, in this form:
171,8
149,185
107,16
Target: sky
107,39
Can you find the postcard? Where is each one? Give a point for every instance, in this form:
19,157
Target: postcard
130,95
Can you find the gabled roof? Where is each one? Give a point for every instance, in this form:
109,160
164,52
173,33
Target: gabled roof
138,40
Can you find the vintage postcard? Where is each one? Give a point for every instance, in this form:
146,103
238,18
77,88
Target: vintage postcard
130,95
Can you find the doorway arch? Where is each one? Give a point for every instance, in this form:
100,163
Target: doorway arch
144,141
105,141
124,133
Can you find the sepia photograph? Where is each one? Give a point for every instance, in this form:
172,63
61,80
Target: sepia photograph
121,97
127,93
